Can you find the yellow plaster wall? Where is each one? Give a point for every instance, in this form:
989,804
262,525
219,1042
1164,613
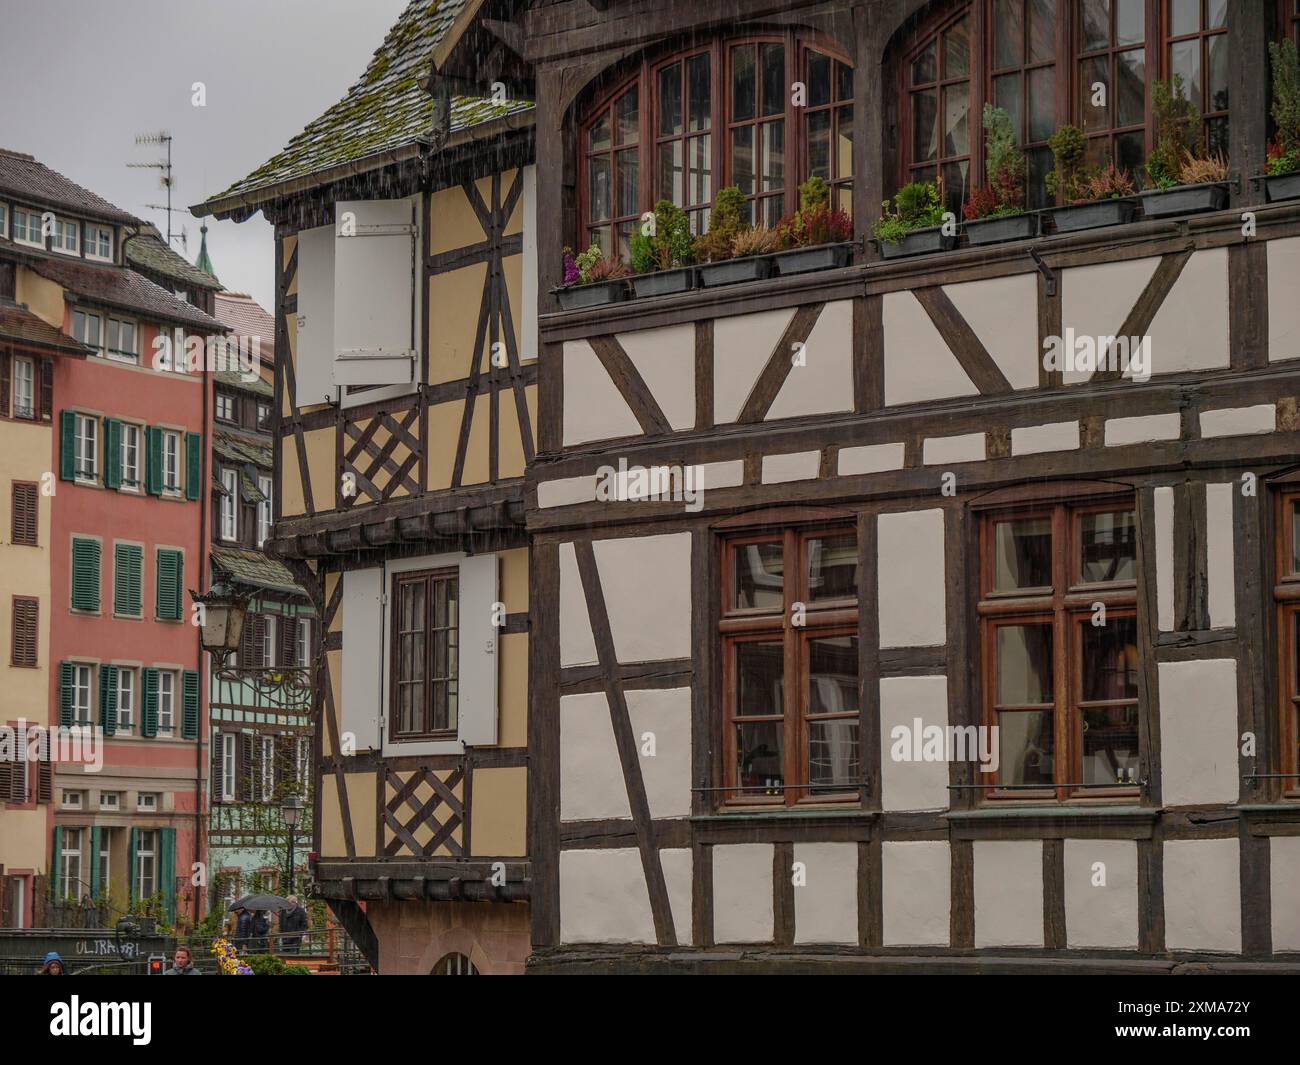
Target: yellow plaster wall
44,298
500,813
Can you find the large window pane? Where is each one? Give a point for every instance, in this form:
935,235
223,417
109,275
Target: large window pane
844,143
670,172
742,159
1022,554
627,117
698,93
1026,748
833,754
773,140
1008,33
1008,95
598,137
1024,664
1184,17
759,576
772,59
742,83
956,120
925,129
599,184
956,50
1130,89
1094,109
819,144
1042,30
1185,60
1217,46
760,679
670,100
760,758
1130,21
1042,104
819,79
833,567
1094,25
1109,662
1108,544
1110,745
833,675
925,66
628,201
699,156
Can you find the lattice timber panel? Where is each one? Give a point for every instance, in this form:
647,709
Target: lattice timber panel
382,453
423,812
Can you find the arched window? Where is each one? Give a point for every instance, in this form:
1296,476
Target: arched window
938,73
1111,79
761,112
1023,78
454,965
1196,47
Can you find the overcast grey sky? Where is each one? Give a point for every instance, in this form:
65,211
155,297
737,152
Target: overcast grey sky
79,79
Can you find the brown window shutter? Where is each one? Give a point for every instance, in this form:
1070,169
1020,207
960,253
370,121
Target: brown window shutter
8,770
45,788
26,511
218,768
288,641
250,644
4,383
47,390
244,785
25,613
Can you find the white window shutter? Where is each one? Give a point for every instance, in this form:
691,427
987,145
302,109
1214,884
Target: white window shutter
363,655
313,370
478,651
375,250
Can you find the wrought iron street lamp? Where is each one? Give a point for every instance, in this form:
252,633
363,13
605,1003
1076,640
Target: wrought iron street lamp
224,611
291,811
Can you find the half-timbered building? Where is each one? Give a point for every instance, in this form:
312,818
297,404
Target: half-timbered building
405,399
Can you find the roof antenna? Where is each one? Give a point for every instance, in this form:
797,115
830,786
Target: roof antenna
165,179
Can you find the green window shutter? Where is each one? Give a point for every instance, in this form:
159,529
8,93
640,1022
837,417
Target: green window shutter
167,870
153,478
66,674
171,577
149,718
85,574
132,847
95,886
108,699
112,453
193,463
190,705
67,445
128,561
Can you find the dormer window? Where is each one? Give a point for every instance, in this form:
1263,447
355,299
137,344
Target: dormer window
99,242
66,236
27,227
4,220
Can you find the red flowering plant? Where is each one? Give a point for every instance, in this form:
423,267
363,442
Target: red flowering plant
1003,191
816,222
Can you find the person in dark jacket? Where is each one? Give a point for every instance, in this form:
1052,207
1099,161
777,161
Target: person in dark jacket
261,928
243,929
293,919
52,966
182,964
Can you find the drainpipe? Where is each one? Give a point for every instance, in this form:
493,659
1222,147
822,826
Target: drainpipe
205,672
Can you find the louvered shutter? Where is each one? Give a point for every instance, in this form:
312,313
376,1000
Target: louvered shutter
288,633
170,576
56,848
128,561
47,389
190,705
67,675
248,642
131,848
167,870
244,785
112,453
5,370
25,614
218,768
45,784
8,771
149,716
85,574
193,464
95,885
68,445
25,517
153,478
108,699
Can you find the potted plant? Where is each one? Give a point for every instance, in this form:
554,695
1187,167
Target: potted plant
1283,170
715,251
591,280
1093,198
1182,178
914,223
817,236
661,259
996,210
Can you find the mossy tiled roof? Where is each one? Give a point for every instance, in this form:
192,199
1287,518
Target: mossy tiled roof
150,252
237,450
385,110
255,568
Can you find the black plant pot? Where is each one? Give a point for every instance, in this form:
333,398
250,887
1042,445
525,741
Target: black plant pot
1283,187
998,230
1093,215
1185,199
820,257
594,294
730,271
664,282
918,242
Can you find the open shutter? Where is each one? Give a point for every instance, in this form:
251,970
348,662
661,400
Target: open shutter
153,477
193,464
149,716
218,768
112,453
45,783
288,636
24,527
189,705
375,250
56,849
8,771
85,574
108,699
244,785
477,682
67,445
281,768
25,628
67,673
128,560
314,352
363,656
167,870
171,574
47,389
5,371
132,847
95,843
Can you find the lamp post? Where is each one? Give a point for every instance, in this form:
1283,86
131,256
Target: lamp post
291,811
224,610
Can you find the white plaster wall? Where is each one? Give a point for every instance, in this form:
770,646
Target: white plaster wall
1239,421
916,893
565,491
1283,307
1190,330
1198,732
1202,895
826,906
947,450
796,466
678,870
591,772
1052,436
911,582
663,717
911,785
742,344
721,474
1164,515
1101,904
603,897
823,384
742,893
665,359
1096,299
647,585
872,458
577,644
1284,881
1219,555
918,364
1003,313
593,408
1143,429
1008,893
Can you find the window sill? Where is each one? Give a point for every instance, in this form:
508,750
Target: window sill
1055,821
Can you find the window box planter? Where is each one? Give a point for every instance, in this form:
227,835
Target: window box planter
1282,187
1185,199
730,271
575,297
818,257
1093,215
918,242
998,230
664,282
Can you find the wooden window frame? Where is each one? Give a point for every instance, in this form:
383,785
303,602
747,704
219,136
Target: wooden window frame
1202,37
427,577
17,659
1286,604
1065,606
840,184
86,476
30,413
18,535
837,617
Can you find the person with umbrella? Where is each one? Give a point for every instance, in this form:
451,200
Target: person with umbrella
293,919
254,925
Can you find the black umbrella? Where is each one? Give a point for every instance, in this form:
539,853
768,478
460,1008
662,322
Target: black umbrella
261,902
